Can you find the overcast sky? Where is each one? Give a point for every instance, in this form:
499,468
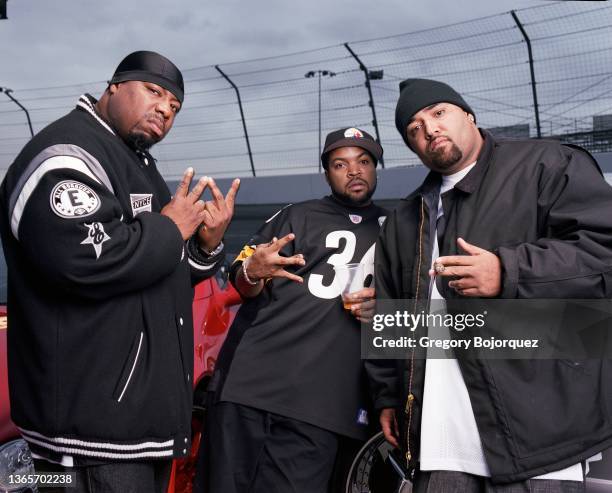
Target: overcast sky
55,42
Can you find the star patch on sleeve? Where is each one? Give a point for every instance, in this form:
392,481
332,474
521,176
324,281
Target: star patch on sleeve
96,236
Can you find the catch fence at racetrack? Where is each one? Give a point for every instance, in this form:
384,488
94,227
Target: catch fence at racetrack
544,70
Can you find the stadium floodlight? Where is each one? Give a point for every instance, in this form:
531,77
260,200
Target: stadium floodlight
320,73
8,92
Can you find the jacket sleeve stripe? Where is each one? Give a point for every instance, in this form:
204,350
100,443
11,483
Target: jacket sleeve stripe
62,156
99,454
199,266
31,435
25,191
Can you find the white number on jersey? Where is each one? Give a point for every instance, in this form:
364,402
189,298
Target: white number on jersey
334,289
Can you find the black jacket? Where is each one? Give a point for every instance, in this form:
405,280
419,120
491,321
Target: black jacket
100,338
546,210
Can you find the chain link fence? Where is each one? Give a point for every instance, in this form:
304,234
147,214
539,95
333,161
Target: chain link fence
543,71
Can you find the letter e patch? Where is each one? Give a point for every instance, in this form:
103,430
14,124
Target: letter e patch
73,199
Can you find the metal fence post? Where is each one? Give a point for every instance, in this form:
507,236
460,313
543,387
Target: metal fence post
366,72
533,81
246,134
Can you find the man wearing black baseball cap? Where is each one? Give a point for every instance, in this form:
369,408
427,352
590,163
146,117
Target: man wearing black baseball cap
100,261
512,219
287,388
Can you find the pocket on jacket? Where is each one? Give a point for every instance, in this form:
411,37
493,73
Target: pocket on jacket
129,367
550,404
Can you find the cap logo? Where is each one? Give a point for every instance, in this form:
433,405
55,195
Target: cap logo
353,133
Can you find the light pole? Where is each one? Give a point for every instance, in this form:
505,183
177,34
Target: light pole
319,73
8,92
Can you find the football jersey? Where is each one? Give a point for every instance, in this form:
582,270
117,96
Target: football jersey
293,350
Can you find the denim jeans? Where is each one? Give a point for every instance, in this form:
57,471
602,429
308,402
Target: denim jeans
116,477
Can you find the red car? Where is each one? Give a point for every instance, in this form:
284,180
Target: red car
214,307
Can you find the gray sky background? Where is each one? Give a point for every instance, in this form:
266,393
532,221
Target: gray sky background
74,46
56,42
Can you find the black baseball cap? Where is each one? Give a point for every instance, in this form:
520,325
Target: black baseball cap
351,137
149,66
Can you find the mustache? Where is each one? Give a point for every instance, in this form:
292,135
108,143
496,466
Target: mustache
438,137
156,118
357,180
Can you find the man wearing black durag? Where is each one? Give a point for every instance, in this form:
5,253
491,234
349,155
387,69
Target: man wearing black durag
100,264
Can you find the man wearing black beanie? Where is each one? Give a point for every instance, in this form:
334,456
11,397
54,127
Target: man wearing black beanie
494,218
100,263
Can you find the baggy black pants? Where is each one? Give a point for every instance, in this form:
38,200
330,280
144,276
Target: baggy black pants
246,450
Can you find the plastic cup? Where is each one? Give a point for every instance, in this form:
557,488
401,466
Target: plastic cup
351,278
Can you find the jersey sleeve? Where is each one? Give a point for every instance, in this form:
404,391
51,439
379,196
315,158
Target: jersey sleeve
71,227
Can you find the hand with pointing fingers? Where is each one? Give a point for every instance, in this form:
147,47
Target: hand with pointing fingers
217,215
266,261
186,209
478,273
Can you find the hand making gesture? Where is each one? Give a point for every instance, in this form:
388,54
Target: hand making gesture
217,215
477,274
186,209
265,263
189,212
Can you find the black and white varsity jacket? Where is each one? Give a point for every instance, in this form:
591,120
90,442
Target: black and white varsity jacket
100,344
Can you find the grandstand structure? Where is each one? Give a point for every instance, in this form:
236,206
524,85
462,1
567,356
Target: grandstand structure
543,71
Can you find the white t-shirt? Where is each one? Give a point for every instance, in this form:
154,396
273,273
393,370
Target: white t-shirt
449,437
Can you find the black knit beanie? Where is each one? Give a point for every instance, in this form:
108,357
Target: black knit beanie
416,94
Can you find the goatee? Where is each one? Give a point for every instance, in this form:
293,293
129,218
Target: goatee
350,201
444,160
140,141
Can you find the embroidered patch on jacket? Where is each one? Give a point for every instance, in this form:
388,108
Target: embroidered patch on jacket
381,220
355,218
73,199
141,202
362,417
96,236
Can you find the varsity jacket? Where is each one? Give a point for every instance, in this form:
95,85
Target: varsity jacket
546,211
100,338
